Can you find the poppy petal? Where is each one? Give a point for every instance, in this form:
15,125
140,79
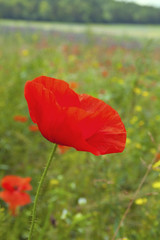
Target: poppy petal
103,128
15,198
56,123
11,182
67,118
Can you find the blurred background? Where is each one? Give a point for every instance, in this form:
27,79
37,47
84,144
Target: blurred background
91,11
110,50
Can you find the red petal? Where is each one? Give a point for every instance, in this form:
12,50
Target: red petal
57,123
15,198
103,128
10,182
108,143
20,118
63,149
64,95
69,119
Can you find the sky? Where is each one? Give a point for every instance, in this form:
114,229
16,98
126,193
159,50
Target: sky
155,3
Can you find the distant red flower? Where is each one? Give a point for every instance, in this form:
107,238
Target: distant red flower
14,193
73,85
33,128
67,118
157,158
20,118
104,73
63,149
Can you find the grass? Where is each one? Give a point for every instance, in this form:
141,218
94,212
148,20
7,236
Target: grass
84,197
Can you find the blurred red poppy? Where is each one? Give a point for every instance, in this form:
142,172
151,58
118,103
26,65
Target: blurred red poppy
73,85
75,120
62,149
14,191
104,73
33,128
157,158
20,118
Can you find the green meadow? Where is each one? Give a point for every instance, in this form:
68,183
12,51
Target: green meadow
128,30
84,197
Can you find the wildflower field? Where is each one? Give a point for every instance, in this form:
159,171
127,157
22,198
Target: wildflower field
84,197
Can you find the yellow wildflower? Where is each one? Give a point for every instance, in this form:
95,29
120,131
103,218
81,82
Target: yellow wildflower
138,145
140,201
138,108
156,165
128,141
137,91
157,118
153,150
121,81
1,209
156,185
25,52
54,182
145,94
133,119
141,123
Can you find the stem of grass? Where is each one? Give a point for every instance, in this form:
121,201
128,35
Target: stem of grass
38,192
149,168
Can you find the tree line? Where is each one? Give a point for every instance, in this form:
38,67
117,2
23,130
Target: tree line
81,11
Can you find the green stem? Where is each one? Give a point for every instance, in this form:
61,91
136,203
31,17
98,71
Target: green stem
38,192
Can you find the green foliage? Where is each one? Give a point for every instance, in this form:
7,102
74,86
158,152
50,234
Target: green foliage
90,11
84,197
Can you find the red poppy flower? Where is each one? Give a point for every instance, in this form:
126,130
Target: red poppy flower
63,149
14,191
33,128
20,118
73,85
75,120
104,73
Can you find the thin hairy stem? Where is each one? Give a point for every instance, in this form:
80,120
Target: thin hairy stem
134,197
38,192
